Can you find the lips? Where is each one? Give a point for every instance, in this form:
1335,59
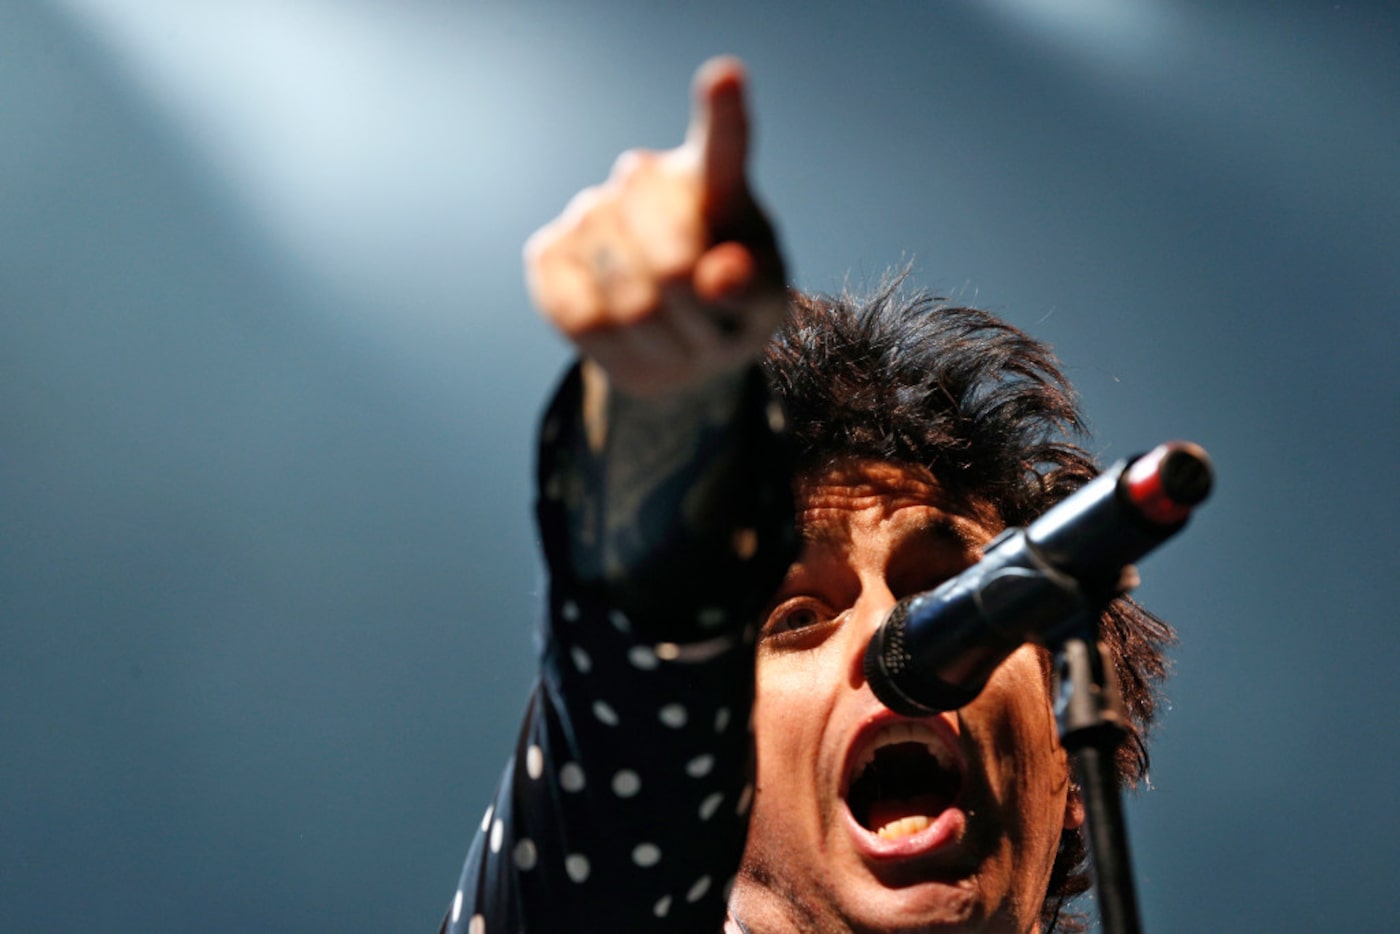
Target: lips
902,784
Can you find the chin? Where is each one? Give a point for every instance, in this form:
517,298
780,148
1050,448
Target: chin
913,898
928,907
851,899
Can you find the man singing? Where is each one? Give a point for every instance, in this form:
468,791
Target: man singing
736,484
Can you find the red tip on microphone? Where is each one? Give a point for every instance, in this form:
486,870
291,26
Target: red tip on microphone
1166,482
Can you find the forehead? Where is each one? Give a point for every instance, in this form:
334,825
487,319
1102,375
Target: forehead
852,498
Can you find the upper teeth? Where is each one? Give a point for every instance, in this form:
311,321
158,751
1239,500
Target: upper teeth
905,732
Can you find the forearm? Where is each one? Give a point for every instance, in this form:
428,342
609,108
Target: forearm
665,507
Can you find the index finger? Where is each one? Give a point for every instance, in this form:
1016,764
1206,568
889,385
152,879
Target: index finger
718,134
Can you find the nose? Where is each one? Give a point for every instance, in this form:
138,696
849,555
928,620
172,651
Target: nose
875,602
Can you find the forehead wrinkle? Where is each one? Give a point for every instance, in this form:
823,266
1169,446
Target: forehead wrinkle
828,508
829,502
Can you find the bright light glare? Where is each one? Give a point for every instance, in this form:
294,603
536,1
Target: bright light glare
344,129
1121,34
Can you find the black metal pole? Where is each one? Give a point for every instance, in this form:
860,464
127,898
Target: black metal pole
1090,720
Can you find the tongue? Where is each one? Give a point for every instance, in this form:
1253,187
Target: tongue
893,818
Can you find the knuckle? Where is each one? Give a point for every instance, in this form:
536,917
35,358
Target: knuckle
539,246
545,252
586,217
587,202
632,163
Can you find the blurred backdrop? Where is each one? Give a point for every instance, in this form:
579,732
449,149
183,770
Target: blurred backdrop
268,381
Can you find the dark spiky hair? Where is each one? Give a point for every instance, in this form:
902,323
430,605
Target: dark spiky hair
904,377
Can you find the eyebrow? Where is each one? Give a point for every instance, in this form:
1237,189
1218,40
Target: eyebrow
953,530
943,530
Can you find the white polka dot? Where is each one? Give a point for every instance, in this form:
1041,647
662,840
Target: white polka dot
486,818
497,832
673,715
457,906
534,762
620,621
777,420
721,719
569,611
698,890
571,777
745,543
525,854
604,713
710,617
710,805
576,865
477,925
745,799
582,662
695,653
626,783
700,766
728,888
662,906
642,657
646,854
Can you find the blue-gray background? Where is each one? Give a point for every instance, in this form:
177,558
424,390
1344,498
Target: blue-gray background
268,379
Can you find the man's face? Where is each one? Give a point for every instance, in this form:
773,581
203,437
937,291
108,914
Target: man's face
864,820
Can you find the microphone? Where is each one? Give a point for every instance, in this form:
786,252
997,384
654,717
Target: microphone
936,650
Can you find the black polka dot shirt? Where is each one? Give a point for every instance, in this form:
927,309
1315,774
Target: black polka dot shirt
626,802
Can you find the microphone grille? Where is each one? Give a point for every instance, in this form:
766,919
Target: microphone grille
888,663
892,648
887,654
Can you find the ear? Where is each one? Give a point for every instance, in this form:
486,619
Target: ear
1074,808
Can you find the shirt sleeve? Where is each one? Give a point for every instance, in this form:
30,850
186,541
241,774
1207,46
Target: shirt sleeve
625,805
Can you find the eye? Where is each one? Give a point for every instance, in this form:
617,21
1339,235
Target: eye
796,615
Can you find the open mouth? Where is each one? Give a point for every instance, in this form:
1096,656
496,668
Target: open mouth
903,779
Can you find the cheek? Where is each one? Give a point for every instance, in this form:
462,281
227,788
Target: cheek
1015,725
787,707
792,707
787,739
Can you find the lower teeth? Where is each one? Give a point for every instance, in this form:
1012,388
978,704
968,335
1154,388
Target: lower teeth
903,827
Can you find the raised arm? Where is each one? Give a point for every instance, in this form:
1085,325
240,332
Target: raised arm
664,510
668,279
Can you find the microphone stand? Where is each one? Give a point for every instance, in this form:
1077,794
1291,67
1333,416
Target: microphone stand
1089,712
